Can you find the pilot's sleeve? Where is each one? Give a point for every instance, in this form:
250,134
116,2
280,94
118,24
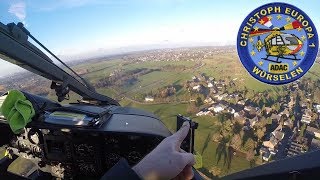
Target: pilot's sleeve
121,170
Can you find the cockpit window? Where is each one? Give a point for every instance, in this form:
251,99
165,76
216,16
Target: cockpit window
292,40
179,57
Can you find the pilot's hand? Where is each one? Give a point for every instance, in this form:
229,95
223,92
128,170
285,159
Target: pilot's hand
168,160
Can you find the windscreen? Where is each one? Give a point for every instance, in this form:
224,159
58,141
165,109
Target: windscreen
174,57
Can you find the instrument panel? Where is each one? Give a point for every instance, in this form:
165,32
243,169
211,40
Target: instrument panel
66,154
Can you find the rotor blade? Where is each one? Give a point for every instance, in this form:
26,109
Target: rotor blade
290,26
259,32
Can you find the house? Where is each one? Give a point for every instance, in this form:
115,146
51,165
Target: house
248,108
266,156
295,85
317,107
231,110
236,114
273,151
263,150
204,113
253,121
285,105
217,108
208,100
315,145
233,95
291,103
285,112
275,117
288,123
278,135
220,97
239,115
306,119
213,90
275,138
195,79
315,132
268,110
210,85
211,78
149,99
307,112
241,102
271,144
304,105
219,86
222,82
197,88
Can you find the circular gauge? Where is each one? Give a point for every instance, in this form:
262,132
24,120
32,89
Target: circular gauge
134,157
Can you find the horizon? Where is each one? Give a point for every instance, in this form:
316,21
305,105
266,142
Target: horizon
81,29
20,70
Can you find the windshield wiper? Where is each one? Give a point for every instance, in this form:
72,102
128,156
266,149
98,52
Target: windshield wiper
15,48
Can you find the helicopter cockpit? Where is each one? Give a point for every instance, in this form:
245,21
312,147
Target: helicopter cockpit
80,103
76,140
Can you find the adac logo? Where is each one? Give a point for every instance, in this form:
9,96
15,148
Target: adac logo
277,43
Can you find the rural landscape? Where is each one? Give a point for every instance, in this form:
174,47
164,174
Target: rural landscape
243,123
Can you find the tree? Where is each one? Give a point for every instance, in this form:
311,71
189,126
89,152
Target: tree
260,133
303,128
237,127
198,102
236,142
216,137
228,126
250,155
269,120
249,144
314,116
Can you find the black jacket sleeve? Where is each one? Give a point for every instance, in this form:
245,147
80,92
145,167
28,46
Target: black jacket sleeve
120,171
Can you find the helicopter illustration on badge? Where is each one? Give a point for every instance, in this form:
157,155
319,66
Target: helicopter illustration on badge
277,44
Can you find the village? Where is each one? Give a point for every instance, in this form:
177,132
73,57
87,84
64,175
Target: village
283,127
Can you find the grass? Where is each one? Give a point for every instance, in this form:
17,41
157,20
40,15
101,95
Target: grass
155,80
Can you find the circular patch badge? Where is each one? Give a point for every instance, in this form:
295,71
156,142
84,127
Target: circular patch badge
277,43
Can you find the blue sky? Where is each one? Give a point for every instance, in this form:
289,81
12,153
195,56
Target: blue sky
76,28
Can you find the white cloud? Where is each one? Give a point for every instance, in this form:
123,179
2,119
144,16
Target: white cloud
18,8
51,5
